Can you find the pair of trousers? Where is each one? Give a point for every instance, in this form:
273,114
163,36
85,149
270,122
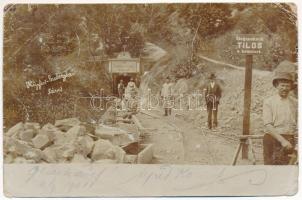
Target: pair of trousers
168,104
120,94
168,111
274,153
212,109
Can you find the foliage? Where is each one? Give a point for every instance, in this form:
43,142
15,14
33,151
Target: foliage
40,40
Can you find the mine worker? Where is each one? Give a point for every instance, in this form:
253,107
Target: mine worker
166,93
130,89
212,98
173,94
121,89
131,83
280,122
131,106
137,81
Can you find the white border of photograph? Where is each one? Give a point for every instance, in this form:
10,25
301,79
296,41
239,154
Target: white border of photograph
69,180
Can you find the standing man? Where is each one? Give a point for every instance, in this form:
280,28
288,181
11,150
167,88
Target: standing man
131,83
166,94
121,89
130,89
280,122
212,98
172,95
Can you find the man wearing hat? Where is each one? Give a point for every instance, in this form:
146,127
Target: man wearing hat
212,98
280,122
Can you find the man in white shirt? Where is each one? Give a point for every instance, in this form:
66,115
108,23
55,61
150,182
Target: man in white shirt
131,83
280,122
166,94
131,89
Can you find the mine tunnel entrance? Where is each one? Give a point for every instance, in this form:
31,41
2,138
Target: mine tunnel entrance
116,78
124,67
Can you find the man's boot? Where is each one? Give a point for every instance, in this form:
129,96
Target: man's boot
209,126
166,112
214,127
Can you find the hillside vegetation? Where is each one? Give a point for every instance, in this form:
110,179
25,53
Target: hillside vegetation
43,40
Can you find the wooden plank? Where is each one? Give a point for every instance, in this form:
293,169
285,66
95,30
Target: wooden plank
253,151
149,114
137,122
141,129
251,136
236,154
146,155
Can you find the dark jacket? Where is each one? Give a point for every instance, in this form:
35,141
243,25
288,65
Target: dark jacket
121,87
213,93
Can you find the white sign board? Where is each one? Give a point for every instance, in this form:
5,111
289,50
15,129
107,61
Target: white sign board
249,44
124,66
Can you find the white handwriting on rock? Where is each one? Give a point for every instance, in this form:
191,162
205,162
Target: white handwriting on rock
53,91
38,85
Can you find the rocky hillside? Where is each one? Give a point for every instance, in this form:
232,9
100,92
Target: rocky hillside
232,81
42,41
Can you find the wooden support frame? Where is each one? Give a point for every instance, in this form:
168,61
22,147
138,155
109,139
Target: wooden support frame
235,158
250,142
246,139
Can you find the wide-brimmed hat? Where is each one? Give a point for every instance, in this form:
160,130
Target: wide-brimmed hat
282,76
212,76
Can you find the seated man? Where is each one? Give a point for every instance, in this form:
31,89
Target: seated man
131,90
131,106
280,122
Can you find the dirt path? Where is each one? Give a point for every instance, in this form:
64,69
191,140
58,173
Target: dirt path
177,142
167,140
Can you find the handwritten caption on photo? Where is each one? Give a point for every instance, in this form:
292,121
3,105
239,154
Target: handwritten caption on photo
50,78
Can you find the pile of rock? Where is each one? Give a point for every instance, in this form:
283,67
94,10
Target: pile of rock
67,141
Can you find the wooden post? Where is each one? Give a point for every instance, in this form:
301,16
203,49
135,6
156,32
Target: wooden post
247,102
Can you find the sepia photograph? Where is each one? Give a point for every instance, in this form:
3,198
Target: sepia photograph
156,83
153,83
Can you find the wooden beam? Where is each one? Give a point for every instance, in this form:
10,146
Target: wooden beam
247,102
236,154
140,127
251,137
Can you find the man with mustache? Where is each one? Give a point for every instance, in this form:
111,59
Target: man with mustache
280,122
212,96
